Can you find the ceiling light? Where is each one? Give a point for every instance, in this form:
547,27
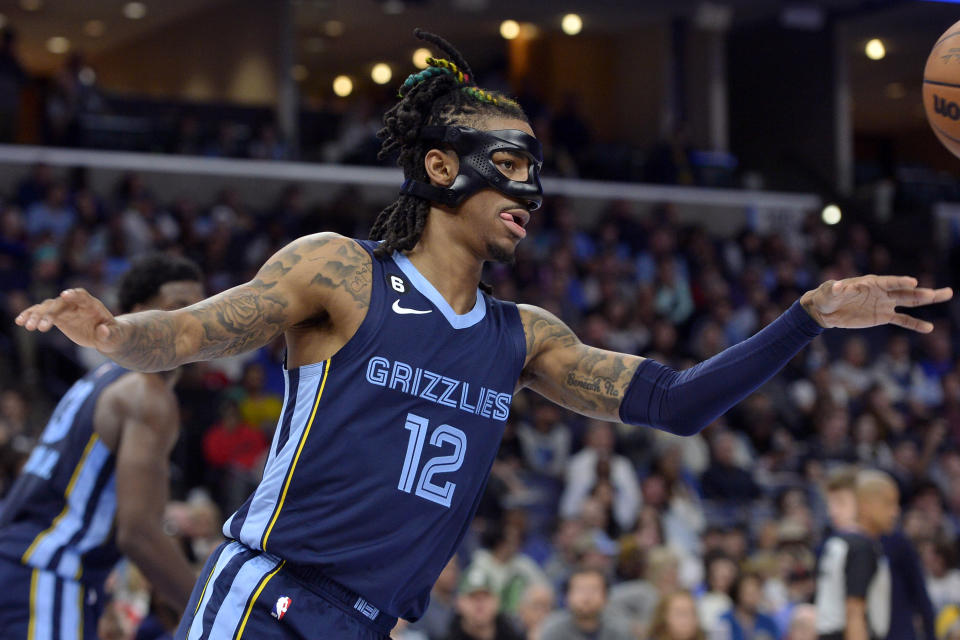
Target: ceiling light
333,28
509,29
31,5
381,73
420,57
571,24
134,10
831,214
94,28
313,45
342,86
875,49
58,45
299,72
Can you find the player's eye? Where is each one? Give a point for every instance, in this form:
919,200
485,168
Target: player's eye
511,166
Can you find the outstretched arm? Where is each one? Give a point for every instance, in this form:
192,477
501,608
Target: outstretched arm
614,386
310,276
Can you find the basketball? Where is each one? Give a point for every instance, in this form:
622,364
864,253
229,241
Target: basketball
941,89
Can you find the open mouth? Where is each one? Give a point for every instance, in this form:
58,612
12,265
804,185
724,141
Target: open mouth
516,220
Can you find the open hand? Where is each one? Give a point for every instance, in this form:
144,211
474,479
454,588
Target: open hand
80,316
868,301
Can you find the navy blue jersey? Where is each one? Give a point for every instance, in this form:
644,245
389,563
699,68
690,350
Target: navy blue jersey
383,451
59,513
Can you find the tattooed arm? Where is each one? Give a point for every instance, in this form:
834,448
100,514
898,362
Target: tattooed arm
321,274
584,379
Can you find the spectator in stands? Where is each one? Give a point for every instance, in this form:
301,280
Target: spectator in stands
583,618
832,442
724,481
506,569
582,476
942,576
233,450
258,407
745,620
562,562
545,440
12,80
51,217
672,293
894,369
937,360
722,573
478,612
74,94
852,370
268,145
536,604
676,619
633,598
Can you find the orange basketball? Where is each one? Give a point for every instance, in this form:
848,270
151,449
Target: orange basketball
941,89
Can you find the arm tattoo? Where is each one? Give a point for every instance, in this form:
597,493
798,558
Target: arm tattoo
584,379
250,315
350,271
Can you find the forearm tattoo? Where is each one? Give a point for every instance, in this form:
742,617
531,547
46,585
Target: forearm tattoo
584,379
250,315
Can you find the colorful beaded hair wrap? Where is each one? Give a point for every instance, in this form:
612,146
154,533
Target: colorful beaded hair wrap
439,66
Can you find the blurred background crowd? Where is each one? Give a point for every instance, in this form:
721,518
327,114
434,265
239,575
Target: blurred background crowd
732,517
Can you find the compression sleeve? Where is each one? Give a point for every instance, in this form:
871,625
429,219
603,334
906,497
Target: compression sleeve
684,402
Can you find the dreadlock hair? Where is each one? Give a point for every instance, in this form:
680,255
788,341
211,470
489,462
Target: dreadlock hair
444,93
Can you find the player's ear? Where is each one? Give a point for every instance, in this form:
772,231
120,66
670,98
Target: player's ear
442,167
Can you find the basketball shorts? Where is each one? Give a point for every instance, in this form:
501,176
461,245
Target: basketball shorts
247,594
40,605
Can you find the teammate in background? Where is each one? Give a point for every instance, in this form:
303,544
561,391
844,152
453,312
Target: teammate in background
853,585
96,485
401,370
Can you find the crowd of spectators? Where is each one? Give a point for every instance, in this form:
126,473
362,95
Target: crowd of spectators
588,529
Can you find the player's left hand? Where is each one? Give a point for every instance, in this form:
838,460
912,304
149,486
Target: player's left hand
868,301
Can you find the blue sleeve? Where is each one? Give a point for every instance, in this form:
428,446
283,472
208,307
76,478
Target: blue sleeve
684,402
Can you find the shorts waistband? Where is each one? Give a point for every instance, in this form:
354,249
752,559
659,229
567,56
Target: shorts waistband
353,603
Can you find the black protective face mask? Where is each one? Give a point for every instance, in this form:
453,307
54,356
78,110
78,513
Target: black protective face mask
475,149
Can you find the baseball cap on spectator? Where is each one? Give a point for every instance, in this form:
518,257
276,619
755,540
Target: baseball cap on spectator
476,580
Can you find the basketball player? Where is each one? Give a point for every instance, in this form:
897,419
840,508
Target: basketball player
96,486
400,373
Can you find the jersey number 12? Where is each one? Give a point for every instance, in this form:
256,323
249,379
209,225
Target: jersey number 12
425,488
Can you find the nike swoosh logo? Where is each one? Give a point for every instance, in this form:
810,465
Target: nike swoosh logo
403,310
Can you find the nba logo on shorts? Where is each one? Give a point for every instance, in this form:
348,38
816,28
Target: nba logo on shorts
280,609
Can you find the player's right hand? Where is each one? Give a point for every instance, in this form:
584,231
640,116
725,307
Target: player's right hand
80,316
